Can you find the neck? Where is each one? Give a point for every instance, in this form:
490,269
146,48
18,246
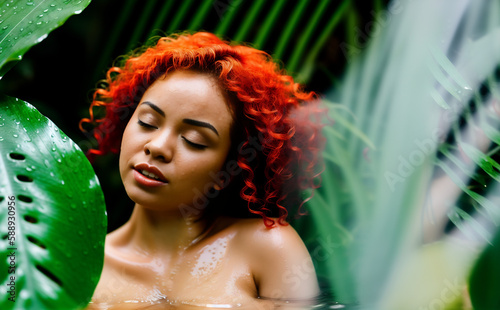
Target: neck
156,231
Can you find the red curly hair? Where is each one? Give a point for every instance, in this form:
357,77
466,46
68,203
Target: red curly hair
268,108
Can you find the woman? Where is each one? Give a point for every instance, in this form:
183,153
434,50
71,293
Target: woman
211,137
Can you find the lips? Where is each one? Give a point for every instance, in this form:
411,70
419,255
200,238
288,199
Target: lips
149,175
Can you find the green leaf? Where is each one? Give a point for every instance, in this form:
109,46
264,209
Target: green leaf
52,214
485,162
24,23
350,126
484,284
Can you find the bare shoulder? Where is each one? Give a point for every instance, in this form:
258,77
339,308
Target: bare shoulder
281,265
280,238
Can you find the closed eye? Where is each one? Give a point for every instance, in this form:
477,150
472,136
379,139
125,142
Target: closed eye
146,125
195,145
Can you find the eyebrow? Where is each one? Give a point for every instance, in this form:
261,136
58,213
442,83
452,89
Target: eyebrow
154,107
186,120
200,124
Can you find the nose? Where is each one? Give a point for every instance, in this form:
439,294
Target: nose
161,147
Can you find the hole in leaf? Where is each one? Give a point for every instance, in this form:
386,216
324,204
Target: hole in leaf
49,274
4,237
484,90
24,178
25,198
17,156
30,219
1,198
36,241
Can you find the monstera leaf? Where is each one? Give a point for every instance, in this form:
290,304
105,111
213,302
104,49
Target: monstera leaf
27,22
52,214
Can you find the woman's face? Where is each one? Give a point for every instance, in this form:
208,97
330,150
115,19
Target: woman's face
176,142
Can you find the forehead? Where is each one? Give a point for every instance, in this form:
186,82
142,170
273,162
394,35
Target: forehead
197,94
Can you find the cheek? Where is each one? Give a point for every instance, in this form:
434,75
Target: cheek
202,167
127,148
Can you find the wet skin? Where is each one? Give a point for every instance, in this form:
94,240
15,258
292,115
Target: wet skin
177,137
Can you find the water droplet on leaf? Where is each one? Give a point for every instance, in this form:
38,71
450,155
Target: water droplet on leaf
40,39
